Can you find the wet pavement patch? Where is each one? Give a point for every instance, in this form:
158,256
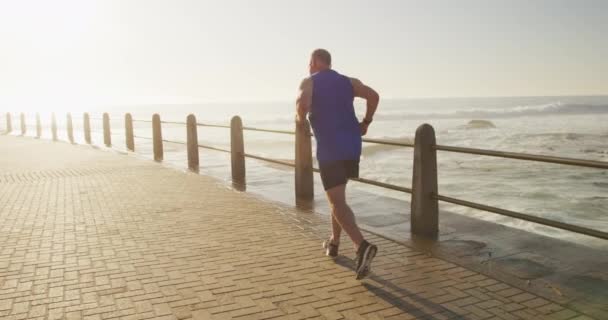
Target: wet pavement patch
461,248
525,269
383,220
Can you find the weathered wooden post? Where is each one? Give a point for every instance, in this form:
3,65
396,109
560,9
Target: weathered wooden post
38,126
23,127
54,126
303,172
87,127
424,205
157,137
192,142
9,123
107,135
70,127
129,137
237,150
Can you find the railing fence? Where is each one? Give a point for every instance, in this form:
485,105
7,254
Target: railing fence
424,191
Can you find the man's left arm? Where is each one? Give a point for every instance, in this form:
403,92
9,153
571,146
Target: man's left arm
304,100
372,99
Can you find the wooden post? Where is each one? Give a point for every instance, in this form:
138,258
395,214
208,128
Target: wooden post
157,138
129,137
23,127
237,150
9,123
303,172
70,127
424,206
192,142
87,127
107,135
54,126
38,126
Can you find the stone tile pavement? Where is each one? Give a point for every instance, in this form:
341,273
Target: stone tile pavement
91,234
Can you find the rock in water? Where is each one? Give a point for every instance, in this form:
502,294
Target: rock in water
480,124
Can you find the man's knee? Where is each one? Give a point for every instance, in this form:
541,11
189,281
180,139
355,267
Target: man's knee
338,206
337,193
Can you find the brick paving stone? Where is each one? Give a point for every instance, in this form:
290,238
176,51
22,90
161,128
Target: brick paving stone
91,234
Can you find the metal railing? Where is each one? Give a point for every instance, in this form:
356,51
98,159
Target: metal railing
424,191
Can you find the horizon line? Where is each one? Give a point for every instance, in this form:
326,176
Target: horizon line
387,98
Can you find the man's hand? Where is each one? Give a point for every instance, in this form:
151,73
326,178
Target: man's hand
363,127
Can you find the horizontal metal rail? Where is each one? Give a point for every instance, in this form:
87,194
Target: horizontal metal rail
383,185
483,152
252,156
213,125
184,123
173,122
367,140
213,148
388,142
361,180
291,164
269,130
176,142
527,217
281,162
525,156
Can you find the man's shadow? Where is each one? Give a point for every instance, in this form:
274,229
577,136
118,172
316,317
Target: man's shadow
394,296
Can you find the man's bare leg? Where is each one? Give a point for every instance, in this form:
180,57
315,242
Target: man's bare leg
336,229
343,214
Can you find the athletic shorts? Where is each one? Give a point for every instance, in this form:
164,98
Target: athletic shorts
338,172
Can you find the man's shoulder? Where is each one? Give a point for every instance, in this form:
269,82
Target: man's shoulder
348,78
355,82
306,83
339,74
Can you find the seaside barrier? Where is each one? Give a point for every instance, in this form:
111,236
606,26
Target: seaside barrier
424,199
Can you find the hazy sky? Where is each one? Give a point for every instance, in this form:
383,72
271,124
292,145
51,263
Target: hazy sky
84,51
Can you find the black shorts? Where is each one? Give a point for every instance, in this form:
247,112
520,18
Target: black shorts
338,172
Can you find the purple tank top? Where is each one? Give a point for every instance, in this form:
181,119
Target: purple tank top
332,117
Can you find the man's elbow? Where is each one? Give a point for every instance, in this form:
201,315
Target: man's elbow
374,96
302,110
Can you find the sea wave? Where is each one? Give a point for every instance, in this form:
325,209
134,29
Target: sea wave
371,149
394,112
559,136
556,108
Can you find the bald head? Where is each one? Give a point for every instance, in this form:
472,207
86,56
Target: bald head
320,60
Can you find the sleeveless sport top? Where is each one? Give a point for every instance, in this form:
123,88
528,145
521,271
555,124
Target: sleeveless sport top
332,117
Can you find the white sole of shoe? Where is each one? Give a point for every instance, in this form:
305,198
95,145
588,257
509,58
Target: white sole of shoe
365,267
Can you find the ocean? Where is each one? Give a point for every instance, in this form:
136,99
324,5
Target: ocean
569,126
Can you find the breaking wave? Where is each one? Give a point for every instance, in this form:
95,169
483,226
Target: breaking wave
557,108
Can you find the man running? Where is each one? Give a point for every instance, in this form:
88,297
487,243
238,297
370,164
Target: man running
327,97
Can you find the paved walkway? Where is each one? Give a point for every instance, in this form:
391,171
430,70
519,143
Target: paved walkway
90,234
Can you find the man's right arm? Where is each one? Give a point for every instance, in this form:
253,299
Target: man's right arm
304,100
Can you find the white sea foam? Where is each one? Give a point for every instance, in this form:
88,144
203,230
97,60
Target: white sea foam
556,108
